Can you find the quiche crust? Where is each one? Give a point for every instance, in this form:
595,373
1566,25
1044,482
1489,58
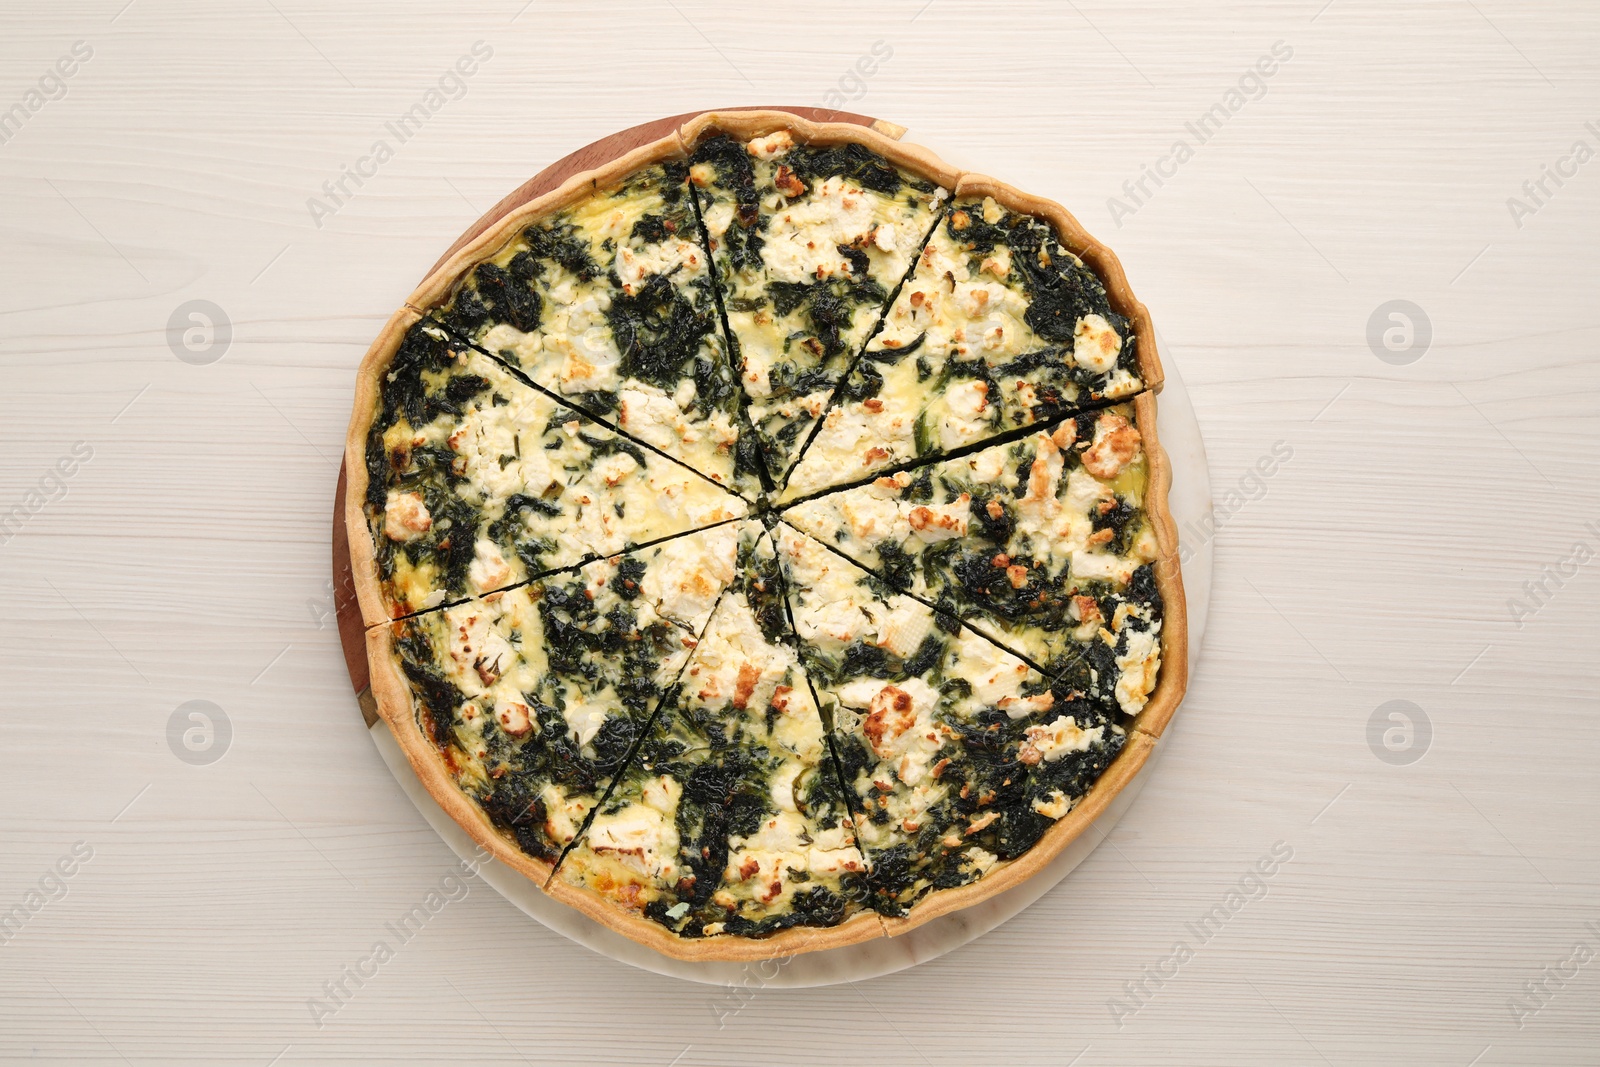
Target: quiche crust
864,926
748,125
369,383
392,693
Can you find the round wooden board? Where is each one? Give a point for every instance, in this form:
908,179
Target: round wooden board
351,631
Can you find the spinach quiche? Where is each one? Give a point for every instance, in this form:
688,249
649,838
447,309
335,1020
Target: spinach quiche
762,539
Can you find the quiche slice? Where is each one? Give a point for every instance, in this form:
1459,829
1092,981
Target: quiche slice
731,820
1000,326
609,302
534,697
476,481
957,755
1045,544
809,242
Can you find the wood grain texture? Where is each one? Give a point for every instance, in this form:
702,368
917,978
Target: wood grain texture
188,558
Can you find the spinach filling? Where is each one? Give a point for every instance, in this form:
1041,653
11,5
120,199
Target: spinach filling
1060,290
660,331
406,394
853,161
743,240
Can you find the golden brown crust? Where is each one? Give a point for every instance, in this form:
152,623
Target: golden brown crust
1100,259
391,692
864,926
1064,832
1174,677
747,125
892,130
363,552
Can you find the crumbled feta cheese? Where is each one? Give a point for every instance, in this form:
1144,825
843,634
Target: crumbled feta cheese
405,516
489,569
1137,668
1057,738
772,145
1096,344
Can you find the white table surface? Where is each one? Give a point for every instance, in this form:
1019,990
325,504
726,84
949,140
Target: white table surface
188,559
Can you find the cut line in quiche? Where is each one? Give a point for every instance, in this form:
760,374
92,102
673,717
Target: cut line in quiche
472,481
1001,325
763,539
533,698
607,299
810,238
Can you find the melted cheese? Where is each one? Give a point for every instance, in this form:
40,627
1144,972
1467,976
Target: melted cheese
405,516
804,236
858,438
1139,664
641,837
961,312
1053,806
902,629
564,813
742,676
997,676
489,569
1060,737
686,575
1096,344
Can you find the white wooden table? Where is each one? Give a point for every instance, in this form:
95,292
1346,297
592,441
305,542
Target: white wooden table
185,557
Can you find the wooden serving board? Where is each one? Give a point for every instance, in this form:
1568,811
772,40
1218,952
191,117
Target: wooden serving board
348,612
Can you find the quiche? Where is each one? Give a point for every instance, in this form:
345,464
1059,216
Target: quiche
762,540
